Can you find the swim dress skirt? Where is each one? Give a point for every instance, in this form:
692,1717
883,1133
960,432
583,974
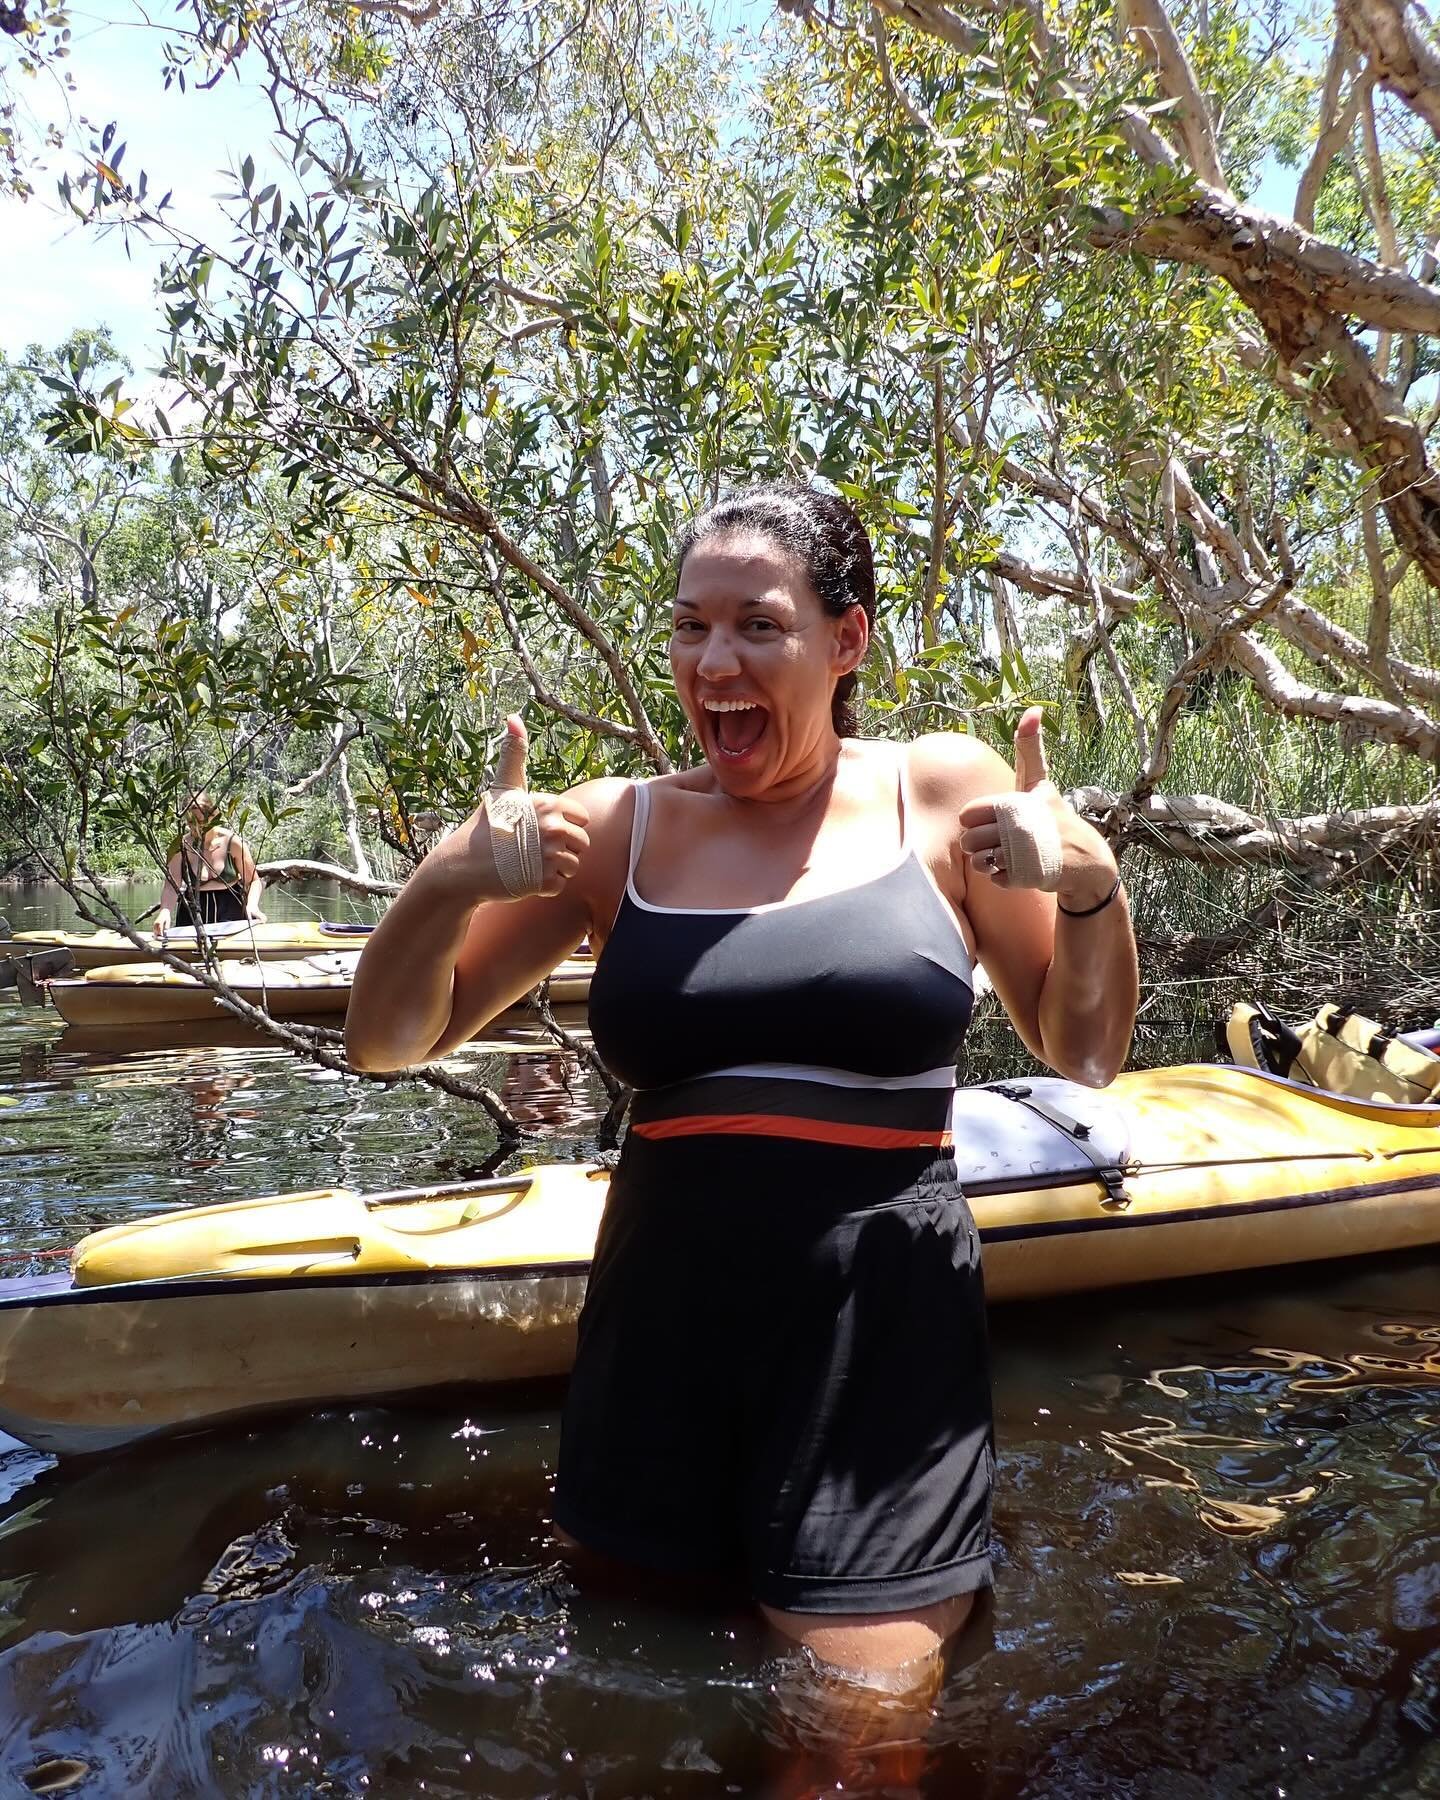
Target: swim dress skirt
783,1375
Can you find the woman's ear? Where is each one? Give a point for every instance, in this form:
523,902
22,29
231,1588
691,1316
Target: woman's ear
852,640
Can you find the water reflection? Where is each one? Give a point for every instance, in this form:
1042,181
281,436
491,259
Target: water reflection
119,1041
369,1601
549,1088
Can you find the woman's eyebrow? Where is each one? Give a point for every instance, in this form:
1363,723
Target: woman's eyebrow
749,600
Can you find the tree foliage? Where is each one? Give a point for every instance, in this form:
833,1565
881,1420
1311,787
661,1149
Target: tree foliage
515,290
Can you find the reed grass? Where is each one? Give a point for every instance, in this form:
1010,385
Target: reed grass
1371,939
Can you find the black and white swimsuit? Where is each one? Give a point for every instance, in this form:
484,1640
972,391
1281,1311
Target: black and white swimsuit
782,1368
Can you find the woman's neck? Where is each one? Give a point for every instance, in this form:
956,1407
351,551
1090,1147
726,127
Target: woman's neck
803,790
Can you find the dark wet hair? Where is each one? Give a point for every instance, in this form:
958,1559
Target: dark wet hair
826,534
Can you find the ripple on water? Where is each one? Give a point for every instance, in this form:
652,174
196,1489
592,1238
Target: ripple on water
286,1639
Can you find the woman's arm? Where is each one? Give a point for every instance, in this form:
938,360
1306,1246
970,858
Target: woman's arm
1070,985
250,876
454,949
169,898
1092,987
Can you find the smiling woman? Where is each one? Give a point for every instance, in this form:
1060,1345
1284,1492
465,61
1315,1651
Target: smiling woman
821,539
782,1369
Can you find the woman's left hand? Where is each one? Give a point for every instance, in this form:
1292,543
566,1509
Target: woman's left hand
255,916
1087,865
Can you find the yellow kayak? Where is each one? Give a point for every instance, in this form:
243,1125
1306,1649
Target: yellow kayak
154,994
192,1318
145,993
262,943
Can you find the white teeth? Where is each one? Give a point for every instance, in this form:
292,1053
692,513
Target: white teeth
729,705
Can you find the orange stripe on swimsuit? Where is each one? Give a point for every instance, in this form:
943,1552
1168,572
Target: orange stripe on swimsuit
812,1131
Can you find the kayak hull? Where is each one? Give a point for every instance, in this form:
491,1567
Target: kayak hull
86,1370
312,1299
143,994
1280,1225
148,994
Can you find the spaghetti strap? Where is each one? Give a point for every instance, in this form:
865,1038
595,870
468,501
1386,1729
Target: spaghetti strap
638,827
902,761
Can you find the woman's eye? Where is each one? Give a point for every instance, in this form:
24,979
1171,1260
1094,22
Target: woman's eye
688,627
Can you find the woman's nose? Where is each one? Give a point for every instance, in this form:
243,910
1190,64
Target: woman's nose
718,657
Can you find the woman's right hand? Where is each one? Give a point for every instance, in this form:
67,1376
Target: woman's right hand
466,858
162,923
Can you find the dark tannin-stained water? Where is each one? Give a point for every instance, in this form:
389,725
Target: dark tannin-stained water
1218,1555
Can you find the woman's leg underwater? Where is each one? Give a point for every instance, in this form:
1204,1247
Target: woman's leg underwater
857,1702
876,1649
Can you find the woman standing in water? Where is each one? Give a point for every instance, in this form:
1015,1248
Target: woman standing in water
782,1362
211,876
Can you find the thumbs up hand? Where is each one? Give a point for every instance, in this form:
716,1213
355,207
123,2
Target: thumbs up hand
514,754
1032,838
1032,772
518,844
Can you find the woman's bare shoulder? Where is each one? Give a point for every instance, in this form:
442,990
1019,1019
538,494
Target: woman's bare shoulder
611,794
602,795
610,797
608,806
698,780
947,768
611,790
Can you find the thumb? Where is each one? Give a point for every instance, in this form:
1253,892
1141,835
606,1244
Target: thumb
511,773
1030,766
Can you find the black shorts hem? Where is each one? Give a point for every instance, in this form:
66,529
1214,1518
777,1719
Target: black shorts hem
901,1592
645,1553
886,1593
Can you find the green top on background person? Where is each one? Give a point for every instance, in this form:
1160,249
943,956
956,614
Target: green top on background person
211,877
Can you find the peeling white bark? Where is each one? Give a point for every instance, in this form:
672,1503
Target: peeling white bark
1150,25
1337,121
1303,291
1400,50
1201,828
1365,720
296,868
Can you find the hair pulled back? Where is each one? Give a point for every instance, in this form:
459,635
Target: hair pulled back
825,533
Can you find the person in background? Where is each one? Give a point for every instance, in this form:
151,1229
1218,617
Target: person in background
211,876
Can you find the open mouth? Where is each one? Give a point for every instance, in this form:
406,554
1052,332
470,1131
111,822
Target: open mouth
736,726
